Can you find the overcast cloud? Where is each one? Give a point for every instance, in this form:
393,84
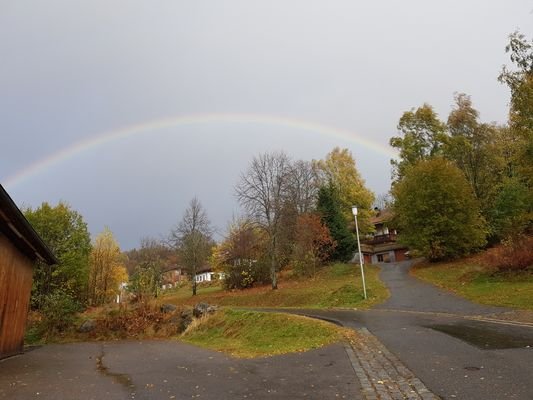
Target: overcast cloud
70,70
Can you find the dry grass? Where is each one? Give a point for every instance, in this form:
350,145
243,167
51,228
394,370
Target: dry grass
480,282
337,285
515,254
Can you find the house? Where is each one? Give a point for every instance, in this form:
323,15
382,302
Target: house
381,246
172,276
206,274
20,248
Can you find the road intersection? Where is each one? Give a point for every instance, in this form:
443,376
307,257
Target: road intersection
423,343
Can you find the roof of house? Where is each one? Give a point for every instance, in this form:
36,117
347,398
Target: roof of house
169,268
16,227
204,269
384,215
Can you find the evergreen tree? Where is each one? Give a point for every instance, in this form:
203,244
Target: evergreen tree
329,208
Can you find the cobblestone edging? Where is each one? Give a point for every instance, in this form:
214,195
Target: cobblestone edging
382,375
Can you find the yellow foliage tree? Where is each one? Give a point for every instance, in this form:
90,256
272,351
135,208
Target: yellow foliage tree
106,269
339,171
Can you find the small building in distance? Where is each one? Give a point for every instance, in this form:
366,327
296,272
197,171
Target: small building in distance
206,274
20,248
172,276
381,246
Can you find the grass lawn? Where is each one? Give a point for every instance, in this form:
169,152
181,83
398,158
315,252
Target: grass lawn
471,279
338,285
250,334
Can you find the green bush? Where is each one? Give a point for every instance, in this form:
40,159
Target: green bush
59,310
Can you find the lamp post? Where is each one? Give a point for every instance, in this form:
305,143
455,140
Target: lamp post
354,212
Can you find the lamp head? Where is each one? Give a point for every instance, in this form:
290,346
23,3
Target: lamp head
354,210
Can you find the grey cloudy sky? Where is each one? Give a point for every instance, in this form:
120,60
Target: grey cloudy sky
71,70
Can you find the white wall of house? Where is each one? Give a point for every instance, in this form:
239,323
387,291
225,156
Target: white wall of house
208,276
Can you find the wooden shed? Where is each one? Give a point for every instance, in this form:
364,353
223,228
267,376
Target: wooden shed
20,248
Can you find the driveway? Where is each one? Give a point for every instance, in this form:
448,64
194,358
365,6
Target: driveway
447,341
173,370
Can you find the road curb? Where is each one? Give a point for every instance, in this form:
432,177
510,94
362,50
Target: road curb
381,374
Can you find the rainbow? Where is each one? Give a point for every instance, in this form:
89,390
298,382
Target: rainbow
103,138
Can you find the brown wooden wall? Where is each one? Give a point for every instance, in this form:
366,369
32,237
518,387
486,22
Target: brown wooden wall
15,285
400,255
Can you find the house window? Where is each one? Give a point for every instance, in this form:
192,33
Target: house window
380,257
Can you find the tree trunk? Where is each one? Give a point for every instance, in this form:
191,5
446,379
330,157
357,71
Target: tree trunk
193,276
273,274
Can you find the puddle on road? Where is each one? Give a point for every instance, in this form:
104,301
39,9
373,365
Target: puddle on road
122,379
485,338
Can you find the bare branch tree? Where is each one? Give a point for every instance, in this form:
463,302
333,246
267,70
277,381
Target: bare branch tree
192,239
262,191
383,201
303,186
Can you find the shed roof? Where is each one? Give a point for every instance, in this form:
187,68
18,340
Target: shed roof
16,227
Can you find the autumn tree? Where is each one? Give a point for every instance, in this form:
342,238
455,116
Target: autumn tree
471,145
338,171
106,269
437,212
192,239
151,249
520,83
329,208
313,243
421,138
241,255
145,266
263,191
65,232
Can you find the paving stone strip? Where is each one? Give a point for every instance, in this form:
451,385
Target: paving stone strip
381,373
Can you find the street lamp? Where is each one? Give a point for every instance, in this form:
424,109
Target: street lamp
354,212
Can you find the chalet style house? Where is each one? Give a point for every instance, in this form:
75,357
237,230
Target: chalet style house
381,246
172,276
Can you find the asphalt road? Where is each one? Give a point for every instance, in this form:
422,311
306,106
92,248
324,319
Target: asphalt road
173,370
437,335
441,338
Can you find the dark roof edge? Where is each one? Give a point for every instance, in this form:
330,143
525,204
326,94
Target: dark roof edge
20,227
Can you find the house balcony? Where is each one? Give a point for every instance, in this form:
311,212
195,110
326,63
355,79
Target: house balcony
380,239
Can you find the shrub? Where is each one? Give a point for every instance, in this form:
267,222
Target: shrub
145,282
242,276
58,310
514,254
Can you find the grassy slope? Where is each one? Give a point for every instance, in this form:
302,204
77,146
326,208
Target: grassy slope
469,278
338,285
254,334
